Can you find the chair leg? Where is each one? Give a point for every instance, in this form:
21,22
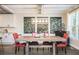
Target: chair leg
15,50
37,49
62,49
30,49
49,50
56,50
43,50
18,48
65,51
24,50
2,48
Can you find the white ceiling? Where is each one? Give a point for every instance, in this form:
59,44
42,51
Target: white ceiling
45,9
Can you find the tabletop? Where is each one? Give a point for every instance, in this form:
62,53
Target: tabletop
49,38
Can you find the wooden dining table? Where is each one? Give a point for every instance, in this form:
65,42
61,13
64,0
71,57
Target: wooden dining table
40,40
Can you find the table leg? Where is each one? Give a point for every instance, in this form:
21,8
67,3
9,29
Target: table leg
27,49
54,48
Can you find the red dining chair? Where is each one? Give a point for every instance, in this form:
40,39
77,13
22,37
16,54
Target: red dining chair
18,44
62,45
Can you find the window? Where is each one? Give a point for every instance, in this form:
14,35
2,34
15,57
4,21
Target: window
55,24
42,24
78,24
73,25
29,24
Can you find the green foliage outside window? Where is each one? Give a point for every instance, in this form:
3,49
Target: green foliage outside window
55,24
28,26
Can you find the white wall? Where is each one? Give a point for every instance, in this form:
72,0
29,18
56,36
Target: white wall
7,20
16,20
65,20
19,20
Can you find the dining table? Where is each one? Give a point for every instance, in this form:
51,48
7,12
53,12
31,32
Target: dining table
53,39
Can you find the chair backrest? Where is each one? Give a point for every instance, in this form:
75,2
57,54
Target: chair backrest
58,33
15,35
65,35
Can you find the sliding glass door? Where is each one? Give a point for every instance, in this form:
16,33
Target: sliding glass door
73,25
78,24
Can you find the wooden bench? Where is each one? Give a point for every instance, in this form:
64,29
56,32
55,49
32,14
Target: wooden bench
40,46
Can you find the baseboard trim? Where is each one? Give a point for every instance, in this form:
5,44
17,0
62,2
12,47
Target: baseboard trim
74,46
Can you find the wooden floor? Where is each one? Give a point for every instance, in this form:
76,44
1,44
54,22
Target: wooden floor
10,50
